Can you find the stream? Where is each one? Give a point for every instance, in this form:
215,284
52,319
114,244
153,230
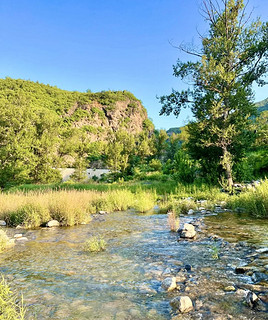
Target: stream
60,281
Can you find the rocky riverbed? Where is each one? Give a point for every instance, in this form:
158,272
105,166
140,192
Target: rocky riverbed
146,272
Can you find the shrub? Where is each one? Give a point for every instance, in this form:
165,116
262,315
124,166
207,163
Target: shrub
94,244
9,308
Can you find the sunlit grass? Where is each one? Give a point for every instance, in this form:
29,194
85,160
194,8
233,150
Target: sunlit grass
69,207
10,308
94,244
254,201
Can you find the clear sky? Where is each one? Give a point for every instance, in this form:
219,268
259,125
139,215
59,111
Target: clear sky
104,44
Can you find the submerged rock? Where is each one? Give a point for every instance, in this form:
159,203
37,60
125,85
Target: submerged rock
53,223
169,284
188,231
182,303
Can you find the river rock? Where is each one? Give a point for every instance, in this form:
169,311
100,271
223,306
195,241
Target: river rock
3,223
181,277
18,235
169,284
229,288
252,299
102,212
166,272
188,231
182,303
191,211
21,239
259,276
262,250
243,269
53,223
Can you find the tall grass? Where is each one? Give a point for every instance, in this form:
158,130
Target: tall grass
33,209
253,201
9,308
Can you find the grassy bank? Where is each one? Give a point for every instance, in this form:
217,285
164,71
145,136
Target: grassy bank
70,207
73,204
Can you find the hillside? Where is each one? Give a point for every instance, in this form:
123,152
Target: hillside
97,113
43,128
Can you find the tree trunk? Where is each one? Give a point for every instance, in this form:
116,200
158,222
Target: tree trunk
228,167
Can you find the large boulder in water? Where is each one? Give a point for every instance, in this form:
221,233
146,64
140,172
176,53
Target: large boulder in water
188,231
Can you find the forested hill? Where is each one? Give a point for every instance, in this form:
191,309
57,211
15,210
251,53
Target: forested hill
97,113
43,128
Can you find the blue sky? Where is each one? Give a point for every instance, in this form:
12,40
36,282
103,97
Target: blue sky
104,44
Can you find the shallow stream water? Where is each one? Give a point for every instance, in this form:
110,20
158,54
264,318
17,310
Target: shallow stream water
60,281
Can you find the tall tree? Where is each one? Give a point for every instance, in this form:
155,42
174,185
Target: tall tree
233,56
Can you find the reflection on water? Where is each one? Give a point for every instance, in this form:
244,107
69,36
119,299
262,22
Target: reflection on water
59,281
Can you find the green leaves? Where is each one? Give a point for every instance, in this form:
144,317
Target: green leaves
234,55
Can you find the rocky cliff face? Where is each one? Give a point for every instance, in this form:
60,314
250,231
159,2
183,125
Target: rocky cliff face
98,119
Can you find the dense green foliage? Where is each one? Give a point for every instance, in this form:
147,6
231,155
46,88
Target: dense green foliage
233,56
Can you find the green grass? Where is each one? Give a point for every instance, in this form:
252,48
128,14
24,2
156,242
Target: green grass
253,201
74,203
94,244
70,207
10,309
